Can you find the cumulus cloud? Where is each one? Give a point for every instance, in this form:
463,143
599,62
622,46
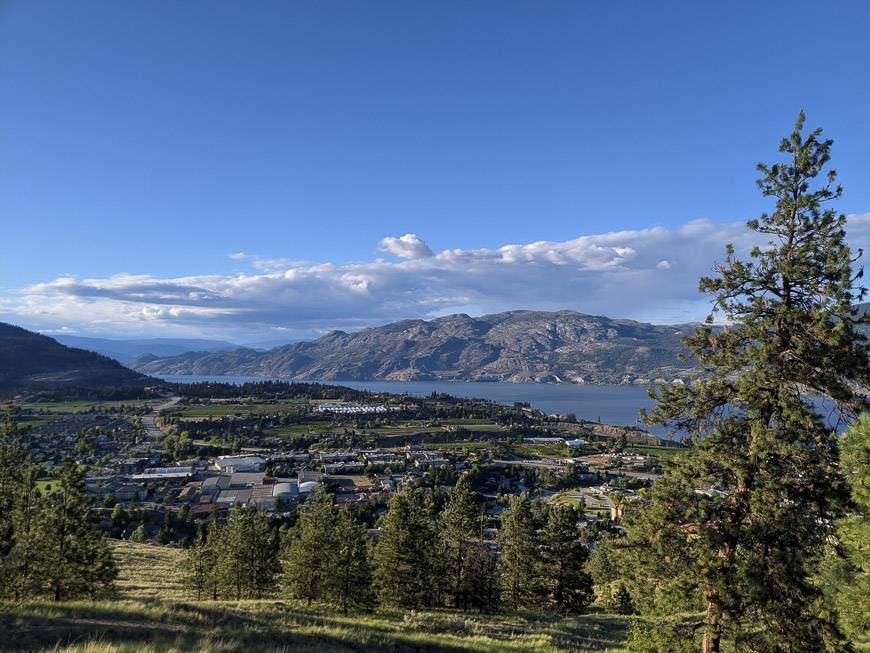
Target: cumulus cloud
409,246
647,274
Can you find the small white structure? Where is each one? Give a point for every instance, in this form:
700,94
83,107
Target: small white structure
308,487
350,408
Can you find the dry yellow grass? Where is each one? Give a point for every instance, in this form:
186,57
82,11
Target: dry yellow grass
154,614
146,571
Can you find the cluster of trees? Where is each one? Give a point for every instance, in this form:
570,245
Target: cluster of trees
237,559
48,545
422,557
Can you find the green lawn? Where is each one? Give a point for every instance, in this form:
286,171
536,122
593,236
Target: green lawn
43,483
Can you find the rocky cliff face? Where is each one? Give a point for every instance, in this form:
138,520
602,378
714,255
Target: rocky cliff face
517,347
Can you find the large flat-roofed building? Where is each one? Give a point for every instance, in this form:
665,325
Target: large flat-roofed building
214,484
164,474
232,464
132,465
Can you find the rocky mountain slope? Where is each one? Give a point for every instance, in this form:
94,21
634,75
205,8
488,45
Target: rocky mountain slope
517,346
29,360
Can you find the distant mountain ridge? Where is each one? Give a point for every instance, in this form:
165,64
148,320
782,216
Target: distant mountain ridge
127,350
516,346
30,360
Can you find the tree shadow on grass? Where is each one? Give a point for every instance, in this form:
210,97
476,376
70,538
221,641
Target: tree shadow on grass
193,626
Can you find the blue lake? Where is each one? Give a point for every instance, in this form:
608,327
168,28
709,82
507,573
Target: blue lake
612,404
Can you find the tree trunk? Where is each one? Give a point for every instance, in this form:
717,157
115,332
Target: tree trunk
710,643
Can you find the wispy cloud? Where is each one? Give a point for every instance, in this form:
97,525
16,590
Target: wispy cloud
648,274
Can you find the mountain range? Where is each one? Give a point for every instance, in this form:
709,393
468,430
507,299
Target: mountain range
516,346
34,361
127,350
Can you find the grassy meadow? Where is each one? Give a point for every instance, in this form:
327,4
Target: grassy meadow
154,614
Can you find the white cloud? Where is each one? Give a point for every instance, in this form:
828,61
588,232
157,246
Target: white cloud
239,256
648,274
409,246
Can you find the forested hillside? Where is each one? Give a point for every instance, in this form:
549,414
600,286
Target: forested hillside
29,360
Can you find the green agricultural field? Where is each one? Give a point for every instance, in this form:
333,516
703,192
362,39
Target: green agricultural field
297,430
421,428
152,614
222,410
664,453
471,445
83,406
538,451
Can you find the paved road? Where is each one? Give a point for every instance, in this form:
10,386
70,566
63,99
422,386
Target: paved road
149,420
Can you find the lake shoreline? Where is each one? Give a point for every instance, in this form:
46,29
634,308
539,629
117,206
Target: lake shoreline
609,404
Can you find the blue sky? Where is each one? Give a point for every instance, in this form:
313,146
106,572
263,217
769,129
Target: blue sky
143,143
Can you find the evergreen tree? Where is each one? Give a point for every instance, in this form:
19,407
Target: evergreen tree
603,565
245,565
138,534
12,460
848,577
737,525
480,588
306,562
567,587
202,560
23,561
460,523
408,554
74,557
349,576
164,535
518,561
260,559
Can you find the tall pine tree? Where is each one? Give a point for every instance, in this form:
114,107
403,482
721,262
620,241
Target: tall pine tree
736,527
201,561
567,588
460,524
408,562
518,560
308,556
246,564
12,461
349,577
74,557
